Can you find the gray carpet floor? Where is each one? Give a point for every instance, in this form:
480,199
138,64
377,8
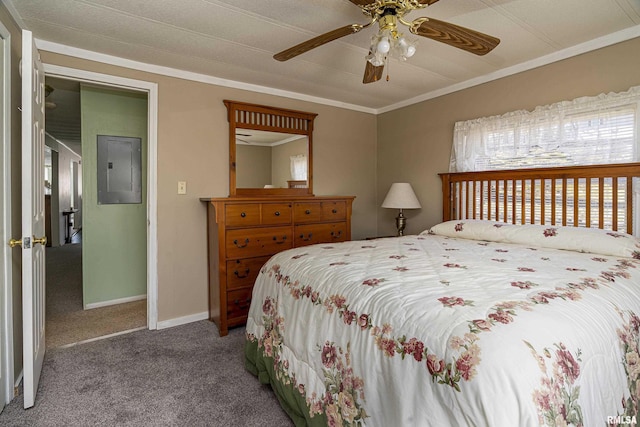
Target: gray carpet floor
182,376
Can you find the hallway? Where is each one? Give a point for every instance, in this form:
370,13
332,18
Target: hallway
67,322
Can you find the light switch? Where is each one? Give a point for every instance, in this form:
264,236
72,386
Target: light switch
182,187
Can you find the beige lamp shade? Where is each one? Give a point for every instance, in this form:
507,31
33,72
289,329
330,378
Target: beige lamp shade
401,196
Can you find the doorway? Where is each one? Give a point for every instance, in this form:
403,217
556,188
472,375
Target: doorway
151,89
93,290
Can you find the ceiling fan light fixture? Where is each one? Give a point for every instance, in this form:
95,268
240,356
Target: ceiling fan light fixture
389,43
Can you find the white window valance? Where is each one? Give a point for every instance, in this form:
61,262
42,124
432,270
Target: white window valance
590,130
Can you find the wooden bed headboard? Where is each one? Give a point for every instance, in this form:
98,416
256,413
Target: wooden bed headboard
581,196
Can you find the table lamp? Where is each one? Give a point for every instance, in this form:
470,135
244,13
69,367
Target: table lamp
401,196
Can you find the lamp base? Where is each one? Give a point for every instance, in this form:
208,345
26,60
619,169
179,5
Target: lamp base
401,222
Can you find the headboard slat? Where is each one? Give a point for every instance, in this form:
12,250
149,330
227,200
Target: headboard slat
601,205
574,200
629,218
588,203
614,205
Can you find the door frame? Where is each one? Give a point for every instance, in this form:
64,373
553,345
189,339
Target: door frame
6,282
152,165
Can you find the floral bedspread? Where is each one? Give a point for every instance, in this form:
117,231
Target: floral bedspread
432,330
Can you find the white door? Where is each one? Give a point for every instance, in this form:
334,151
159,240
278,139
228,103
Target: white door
33,240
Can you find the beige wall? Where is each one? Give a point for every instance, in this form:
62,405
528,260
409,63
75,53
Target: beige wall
414,143
253,166
193,147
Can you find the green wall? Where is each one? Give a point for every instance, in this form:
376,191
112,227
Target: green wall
114,252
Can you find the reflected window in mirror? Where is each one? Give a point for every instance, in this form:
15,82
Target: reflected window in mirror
299,167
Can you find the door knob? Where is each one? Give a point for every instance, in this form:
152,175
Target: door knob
15,242
42,240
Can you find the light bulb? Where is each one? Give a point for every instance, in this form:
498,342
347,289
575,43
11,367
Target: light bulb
411,49
384,45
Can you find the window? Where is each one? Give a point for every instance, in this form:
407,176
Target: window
299,167
587,131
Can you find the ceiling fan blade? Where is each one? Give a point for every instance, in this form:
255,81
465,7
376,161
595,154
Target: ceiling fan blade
303,47
427,2
454,35
372,73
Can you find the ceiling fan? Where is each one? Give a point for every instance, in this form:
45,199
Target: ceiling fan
388,40
245,135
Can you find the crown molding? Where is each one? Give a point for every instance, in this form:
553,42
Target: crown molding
188,75
8,4
598,43
579,49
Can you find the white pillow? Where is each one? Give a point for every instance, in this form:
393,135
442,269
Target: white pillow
474,229
579,239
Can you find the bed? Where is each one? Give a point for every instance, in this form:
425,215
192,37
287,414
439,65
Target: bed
519,309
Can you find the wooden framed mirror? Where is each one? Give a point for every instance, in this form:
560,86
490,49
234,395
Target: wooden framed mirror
269,148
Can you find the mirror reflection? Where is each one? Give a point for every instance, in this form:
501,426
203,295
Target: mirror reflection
271,159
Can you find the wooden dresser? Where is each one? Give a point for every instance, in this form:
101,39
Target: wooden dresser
244,232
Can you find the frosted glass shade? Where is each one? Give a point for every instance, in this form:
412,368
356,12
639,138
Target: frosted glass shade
401,196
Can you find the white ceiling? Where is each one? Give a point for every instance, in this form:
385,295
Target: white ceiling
236,39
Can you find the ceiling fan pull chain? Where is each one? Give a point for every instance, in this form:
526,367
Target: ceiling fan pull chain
387,67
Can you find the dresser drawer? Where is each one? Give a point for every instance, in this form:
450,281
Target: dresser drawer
242,273
307,212
244,214
334,211
336,232
276,213
238,303
310,234
254,242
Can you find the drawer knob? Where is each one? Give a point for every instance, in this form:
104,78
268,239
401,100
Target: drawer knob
281,241
277,213
336,235
246,242
243,214
243,305
246,274
307,238
308,212
334,211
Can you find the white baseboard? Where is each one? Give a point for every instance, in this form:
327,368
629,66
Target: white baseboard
163,324
115,302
